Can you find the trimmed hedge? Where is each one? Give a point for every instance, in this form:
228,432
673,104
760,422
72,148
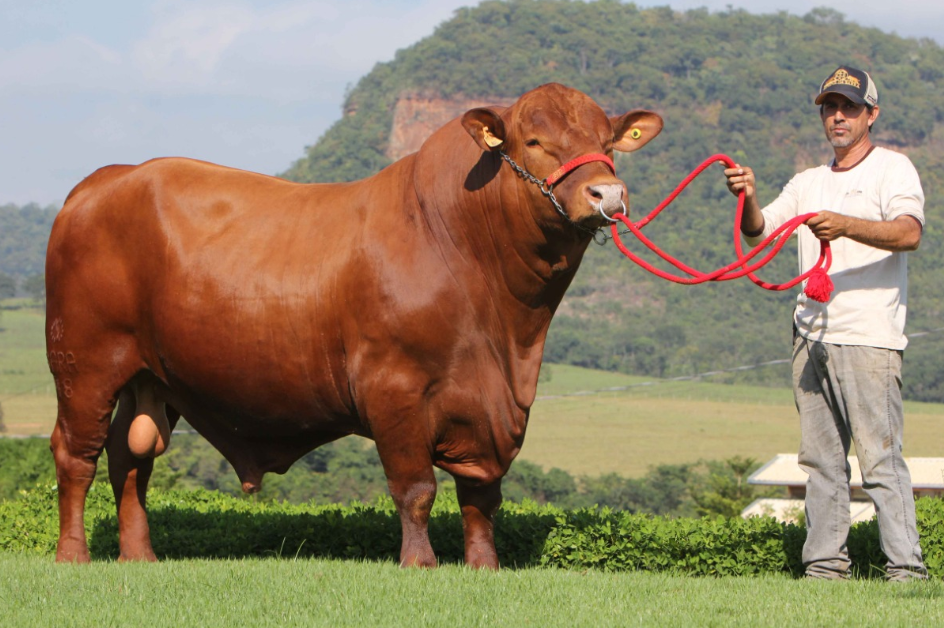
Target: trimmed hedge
191,524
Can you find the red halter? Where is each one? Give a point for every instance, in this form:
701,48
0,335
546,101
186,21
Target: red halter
573,164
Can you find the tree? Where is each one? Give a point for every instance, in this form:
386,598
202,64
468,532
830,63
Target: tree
724,491
7,286
35,286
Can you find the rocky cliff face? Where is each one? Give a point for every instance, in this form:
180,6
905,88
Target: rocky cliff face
416,116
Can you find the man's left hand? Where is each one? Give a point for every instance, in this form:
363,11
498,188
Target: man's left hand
828,225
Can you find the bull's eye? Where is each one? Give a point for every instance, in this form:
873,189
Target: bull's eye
532,143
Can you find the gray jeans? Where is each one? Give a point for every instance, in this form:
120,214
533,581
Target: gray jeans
848,393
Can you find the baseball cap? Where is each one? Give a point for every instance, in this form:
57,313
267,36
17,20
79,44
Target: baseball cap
856,85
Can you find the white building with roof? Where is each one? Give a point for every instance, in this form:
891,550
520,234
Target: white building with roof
927,479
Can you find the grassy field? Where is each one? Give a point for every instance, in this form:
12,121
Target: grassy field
287,592
578,423
667,422
26,388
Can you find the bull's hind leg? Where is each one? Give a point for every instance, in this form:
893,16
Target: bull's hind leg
89,367
77,442
479,503
139,432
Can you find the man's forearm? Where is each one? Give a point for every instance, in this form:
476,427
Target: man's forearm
901,234
752,221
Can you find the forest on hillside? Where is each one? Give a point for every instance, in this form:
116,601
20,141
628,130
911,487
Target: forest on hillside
729,82
24,232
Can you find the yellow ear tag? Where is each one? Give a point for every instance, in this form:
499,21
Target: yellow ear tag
635,134
490,139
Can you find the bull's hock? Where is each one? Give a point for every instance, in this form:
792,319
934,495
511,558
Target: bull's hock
783,470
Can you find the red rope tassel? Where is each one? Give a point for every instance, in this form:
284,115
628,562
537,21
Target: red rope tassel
819,286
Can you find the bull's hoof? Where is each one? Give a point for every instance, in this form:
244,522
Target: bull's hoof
490,565
137,552
483,557
137,557
72,552
421,561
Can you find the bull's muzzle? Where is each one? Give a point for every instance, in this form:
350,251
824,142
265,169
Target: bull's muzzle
607,199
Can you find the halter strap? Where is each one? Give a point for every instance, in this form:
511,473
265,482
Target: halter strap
573,164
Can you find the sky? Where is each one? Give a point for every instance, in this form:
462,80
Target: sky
244,83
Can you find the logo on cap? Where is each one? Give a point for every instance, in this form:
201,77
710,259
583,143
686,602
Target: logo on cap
841,77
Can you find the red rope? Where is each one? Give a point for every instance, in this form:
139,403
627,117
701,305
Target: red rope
573,164
819,287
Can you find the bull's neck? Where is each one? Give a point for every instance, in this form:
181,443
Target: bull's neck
486,224
527,267
484,214
538,254
526,251
537,264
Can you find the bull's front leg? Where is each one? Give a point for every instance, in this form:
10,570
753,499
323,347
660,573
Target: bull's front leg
409,471
479,503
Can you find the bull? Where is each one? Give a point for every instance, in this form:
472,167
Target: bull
410,308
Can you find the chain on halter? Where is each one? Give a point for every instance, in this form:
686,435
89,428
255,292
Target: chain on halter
547,185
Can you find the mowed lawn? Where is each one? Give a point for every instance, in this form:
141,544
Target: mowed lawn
285,593
576,423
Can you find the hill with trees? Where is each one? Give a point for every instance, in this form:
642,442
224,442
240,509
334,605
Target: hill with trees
729,82
24,232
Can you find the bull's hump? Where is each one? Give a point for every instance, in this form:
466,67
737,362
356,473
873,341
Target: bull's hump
186,165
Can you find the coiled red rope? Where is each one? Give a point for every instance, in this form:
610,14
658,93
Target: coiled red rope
819,287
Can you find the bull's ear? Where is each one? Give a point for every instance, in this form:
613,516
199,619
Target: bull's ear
485,127
633,130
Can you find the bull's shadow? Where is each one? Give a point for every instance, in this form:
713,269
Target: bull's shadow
362,533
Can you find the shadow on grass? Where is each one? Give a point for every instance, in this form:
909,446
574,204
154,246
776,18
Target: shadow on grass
367,534
202,524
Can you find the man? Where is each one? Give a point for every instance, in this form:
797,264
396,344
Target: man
847,352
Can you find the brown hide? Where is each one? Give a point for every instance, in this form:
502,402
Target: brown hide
410,307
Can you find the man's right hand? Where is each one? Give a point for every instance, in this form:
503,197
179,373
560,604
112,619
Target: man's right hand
740,178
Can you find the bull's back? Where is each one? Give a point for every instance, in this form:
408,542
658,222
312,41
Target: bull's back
233,283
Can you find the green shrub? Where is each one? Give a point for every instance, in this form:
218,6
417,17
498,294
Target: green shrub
619,541
24,462
190,524
930,512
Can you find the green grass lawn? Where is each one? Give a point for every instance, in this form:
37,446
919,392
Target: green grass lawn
286,592
579,423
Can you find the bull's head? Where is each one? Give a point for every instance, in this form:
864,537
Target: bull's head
552,126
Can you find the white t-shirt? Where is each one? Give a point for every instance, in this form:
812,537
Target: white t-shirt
870,299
